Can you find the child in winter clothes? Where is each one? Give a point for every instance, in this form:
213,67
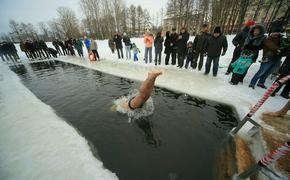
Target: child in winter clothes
135,50
241,66
190,53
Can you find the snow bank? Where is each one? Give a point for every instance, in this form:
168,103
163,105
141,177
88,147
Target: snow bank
35,143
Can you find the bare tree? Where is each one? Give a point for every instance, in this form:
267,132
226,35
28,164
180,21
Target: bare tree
15,29
68,22
132,17
44,30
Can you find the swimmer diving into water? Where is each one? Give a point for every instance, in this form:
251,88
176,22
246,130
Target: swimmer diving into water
144,94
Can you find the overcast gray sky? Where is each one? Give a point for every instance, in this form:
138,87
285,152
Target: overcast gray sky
35,11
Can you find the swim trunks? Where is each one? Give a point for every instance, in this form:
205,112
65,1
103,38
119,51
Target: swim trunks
129,104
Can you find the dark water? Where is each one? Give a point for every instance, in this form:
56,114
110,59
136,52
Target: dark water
179,141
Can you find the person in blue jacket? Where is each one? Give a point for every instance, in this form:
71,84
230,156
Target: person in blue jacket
241,65
87,43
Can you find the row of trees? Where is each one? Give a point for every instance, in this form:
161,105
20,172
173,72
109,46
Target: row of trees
229,14
104,17
66,25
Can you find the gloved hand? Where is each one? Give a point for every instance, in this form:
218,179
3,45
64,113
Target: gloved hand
223,53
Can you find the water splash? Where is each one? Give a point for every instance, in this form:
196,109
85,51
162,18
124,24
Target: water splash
146,110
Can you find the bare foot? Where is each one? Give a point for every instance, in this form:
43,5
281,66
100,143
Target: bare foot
154,73
274,114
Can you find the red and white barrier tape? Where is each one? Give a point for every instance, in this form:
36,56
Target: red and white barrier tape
267,95
275,155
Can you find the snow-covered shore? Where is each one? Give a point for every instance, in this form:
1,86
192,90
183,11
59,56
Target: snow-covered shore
37,144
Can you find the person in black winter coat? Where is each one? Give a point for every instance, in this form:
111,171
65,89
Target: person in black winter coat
158,45
44,48
284,71
118,41
62,45
190,55
285,68
70,46
181,46
215,46
55,43
199,46
173,44
238,42
168,47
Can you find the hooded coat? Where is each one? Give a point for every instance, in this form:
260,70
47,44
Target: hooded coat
240,38
255,42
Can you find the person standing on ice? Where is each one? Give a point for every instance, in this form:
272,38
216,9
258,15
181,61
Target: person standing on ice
216,45
189,55
127,42
158,46
111,45
87,43
285,68
254,41
94,49
55,43
118,42
181,46
148,41
199,46
271,56
135,50
238,42
168,47
173,40
79,47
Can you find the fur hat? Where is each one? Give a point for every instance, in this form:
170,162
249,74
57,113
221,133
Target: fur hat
217,29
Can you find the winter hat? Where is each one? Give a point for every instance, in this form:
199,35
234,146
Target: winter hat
249,23
277,29
217,29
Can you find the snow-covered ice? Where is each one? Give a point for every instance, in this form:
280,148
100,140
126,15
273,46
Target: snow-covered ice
37,144
47,147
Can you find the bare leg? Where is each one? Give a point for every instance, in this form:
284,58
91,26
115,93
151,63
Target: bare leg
144,91
282,112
